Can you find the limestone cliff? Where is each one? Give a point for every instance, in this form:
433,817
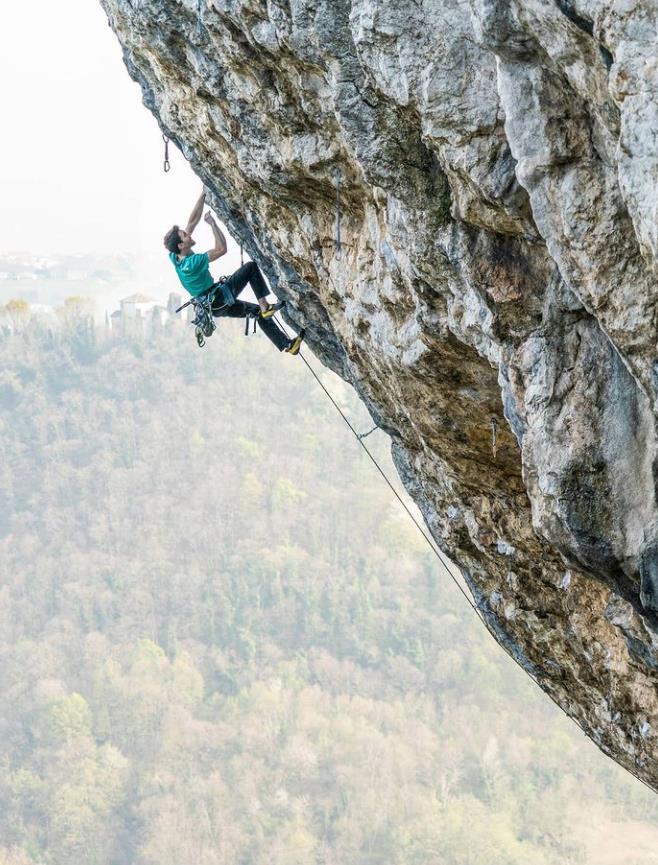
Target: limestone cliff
497,164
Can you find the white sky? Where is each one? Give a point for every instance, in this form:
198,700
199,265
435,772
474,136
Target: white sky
80,156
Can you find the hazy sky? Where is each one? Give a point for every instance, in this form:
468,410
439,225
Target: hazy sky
80,156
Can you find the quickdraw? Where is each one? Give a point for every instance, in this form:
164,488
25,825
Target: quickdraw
203,321
204,324
167,164
254,316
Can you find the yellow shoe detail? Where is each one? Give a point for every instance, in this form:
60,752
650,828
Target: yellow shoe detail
296,344
272,308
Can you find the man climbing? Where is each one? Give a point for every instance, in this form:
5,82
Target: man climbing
194,274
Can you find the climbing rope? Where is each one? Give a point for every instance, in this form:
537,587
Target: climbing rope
494,436
435,549
360,438
338,248
167,164
199,22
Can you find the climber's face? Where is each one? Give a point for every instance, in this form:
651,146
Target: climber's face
187,242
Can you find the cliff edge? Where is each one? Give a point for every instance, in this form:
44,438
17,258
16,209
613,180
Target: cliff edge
495,164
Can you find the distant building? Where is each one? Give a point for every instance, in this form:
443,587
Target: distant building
159,315
137,305
145,314
175,300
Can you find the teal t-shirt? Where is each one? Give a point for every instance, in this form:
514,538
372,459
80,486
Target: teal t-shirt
193,271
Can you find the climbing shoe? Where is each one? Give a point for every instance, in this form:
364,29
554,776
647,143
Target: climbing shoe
295,344
271,309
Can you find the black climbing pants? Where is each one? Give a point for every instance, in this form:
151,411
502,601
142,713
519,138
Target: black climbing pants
249,273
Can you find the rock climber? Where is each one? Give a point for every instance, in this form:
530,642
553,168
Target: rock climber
194,274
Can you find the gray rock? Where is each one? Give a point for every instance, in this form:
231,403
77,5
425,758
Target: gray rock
499,165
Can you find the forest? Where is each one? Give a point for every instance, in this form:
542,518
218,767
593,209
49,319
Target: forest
223,642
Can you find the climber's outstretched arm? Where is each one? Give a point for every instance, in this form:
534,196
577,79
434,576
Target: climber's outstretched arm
195,216
220,241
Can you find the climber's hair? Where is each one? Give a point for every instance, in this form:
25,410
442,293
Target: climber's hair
172,239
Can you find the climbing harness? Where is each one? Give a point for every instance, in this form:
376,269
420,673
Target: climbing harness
434,548
167,164
204,321
223,293
494,436
338,247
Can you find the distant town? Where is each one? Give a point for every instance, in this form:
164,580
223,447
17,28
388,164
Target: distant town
79,284
20,266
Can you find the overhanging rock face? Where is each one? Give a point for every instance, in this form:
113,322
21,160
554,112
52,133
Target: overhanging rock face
498,166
